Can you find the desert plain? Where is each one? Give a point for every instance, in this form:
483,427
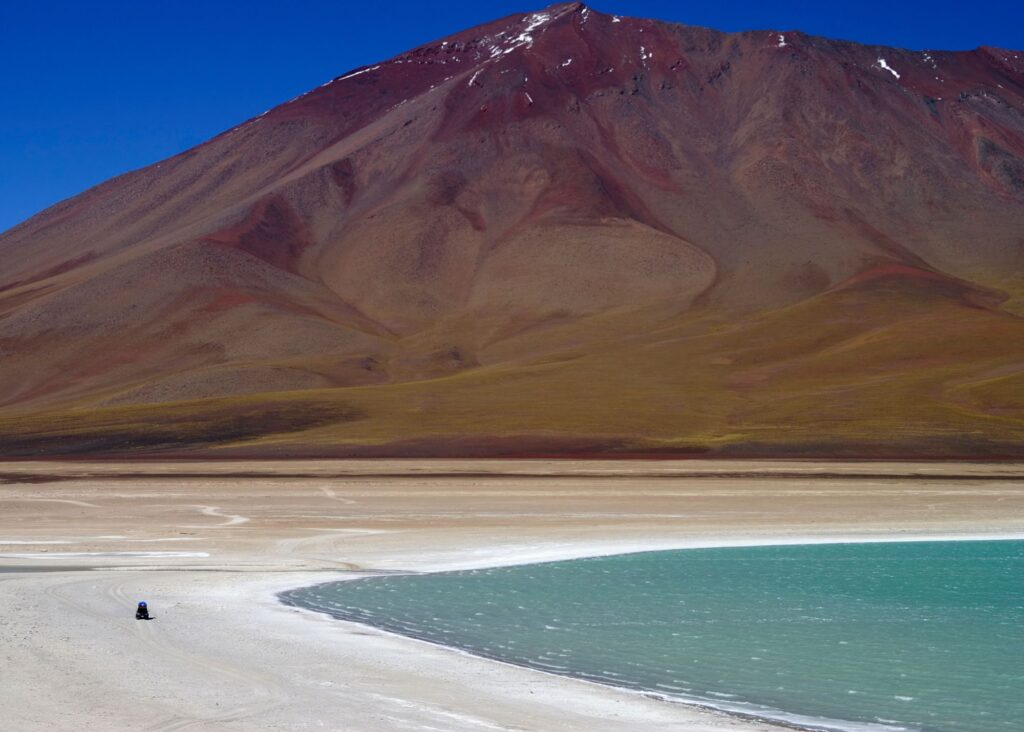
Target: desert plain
209,544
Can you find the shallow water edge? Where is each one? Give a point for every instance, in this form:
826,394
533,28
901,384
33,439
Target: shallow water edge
750,712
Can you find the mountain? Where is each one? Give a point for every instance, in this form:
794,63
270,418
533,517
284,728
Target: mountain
558,233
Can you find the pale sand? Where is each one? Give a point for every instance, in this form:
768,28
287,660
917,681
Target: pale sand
208,548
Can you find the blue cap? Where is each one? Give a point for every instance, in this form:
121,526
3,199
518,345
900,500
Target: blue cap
143,602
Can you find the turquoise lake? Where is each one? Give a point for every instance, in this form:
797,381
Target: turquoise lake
921,636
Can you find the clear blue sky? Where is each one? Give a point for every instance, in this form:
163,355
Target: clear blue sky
91,89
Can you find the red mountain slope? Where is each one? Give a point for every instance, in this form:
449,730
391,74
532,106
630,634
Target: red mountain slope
559,231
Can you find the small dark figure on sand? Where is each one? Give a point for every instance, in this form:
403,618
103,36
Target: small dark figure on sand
142,612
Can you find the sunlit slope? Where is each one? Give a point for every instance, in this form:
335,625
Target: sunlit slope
885,368
559,232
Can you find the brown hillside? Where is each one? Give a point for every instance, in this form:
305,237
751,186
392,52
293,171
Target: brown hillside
558,233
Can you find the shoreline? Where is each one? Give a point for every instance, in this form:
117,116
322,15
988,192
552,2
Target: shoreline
225,654
530,555
696,704
777,717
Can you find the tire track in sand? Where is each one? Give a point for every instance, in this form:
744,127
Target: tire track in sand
232,519
331,495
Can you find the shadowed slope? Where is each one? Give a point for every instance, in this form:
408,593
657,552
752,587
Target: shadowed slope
563,230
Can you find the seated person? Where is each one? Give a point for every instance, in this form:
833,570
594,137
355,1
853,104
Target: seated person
142,612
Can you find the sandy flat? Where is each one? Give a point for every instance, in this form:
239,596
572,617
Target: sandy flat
209,544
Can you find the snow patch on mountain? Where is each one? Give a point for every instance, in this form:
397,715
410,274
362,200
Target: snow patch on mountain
352,74
882,64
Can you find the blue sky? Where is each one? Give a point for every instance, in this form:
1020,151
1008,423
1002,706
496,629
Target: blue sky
89,90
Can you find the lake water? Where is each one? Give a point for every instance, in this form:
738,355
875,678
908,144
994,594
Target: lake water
922,636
